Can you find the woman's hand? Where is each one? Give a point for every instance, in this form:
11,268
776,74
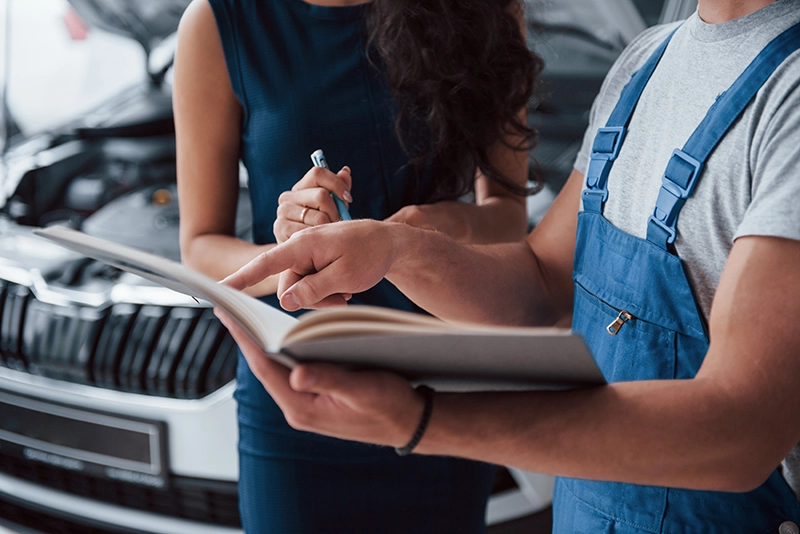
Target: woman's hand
496,216
449,217
367,406
309,203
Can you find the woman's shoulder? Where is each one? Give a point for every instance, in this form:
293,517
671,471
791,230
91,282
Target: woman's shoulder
198,21
236,14
208,17
207,42
201,59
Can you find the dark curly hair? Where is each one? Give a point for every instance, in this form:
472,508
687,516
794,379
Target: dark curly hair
460,71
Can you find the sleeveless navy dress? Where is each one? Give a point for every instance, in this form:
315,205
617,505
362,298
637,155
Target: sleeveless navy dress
303,78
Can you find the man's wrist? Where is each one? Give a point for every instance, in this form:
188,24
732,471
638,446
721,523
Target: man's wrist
401,243
410,248
425,394
446,433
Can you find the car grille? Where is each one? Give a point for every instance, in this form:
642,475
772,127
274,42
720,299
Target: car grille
167,351
205,501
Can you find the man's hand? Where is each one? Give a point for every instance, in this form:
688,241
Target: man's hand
325,265
372,407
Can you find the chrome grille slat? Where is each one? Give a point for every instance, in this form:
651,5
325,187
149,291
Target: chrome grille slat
91,324
112,344
16,298
161,373
223,364
199,370
203,342
140,347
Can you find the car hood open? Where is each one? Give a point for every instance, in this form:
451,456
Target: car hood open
147,21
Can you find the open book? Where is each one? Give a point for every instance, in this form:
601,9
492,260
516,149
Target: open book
448,357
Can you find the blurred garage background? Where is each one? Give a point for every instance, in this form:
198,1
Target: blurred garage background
116,409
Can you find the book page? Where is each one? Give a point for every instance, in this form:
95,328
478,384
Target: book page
320,323
264,324
355,319
341,327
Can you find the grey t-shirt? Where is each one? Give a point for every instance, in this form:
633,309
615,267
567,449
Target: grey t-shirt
751,183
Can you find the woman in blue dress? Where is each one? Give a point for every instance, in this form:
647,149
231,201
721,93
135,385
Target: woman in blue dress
419,103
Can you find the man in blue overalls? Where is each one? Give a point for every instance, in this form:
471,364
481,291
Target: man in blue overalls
696,430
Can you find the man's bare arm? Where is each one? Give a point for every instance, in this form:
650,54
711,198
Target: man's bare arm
727,429
527,283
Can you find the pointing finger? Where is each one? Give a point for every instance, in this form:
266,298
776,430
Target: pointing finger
273,261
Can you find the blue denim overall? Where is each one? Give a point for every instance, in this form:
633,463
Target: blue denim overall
635,308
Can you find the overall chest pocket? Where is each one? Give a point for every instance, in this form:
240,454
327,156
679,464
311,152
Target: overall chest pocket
625,347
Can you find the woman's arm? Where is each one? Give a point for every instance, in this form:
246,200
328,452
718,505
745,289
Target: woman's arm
497,216
207,123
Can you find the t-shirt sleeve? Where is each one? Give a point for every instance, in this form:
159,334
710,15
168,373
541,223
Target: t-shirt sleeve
631,59
775,189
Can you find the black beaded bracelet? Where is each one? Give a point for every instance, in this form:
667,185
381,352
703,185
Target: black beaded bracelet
427,395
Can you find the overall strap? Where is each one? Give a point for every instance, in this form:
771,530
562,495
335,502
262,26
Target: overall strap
686,165
609,139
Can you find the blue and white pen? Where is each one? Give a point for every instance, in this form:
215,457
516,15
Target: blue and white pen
319,161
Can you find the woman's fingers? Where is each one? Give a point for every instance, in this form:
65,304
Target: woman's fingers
284,229
320,204
347,176
339,183
310,203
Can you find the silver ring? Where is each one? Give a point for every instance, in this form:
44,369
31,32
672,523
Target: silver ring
303,214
